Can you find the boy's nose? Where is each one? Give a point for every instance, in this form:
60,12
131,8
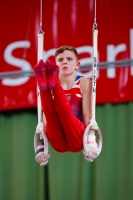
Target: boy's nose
64,61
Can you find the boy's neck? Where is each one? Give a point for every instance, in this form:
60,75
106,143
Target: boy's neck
67,82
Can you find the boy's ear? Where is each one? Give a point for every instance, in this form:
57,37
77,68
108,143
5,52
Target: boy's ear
78,65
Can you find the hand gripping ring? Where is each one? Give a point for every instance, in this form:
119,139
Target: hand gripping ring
36,143
85,138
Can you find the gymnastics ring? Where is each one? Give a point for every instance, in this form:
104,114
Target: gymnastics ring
92,126
36,143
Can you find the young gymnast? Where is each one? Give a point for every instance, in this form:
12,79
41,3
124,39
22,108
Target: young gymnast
66,103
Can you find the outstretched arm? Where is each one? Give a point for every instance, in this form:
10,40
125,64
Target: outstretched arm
86,87
86,90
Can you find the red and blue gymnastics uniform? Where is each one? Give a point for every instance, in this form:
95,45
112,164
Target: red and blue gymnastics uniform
64,118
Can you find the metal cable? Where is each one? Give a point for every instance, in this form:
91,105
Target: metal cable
87,67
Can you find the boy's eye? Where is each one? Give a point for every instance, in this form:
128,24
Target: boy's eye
69,58
60,60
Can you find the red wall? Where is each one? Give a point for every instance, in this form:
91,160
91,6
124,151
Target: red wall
65,22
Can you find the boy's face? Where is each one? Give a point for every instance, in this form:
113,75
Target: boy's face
67,62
